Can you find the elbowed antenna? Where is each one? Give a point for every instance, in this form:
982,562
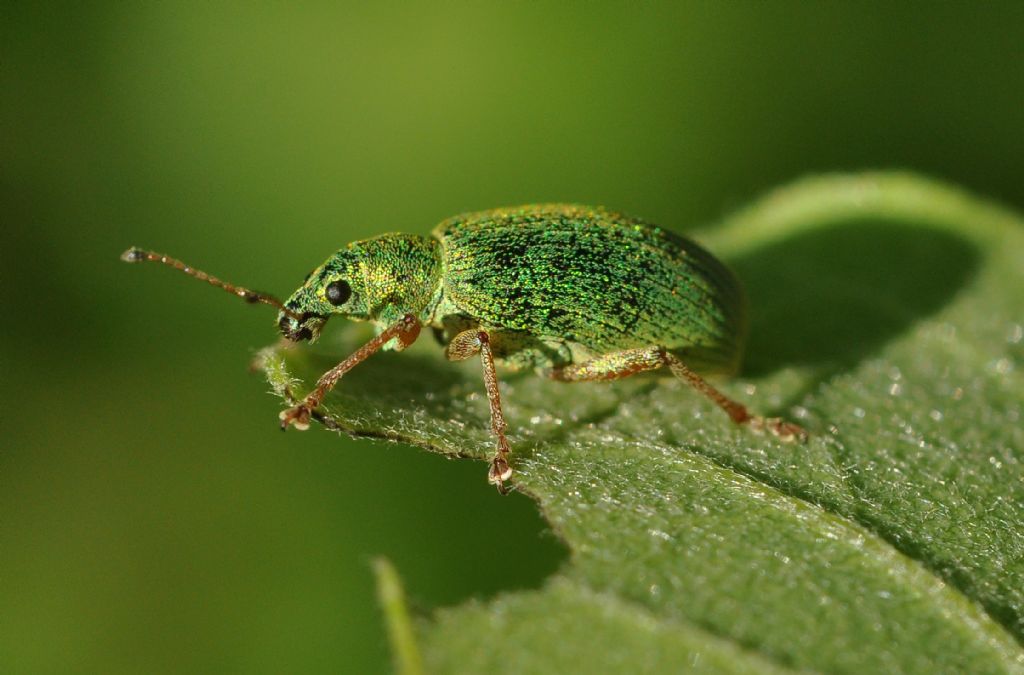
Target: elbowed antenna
134,255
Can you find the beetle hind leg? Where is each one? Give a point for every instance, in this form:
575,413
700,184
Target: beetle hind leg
628,362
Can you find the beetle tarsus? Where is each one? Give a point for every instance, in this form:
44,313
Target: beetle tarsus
499,472
299,416
778,427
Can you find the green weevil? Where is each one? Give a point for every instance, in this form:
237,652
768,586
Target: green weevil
576,292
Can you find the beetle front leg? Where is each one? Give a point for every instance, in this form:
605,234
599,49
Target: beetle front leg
407,329
463,346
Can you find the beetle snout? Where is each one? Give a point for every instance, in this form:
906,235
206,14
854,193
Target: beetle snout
296,331
291,329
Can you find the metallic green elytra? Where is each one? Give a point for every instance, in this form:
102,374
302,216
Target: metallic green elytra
576,292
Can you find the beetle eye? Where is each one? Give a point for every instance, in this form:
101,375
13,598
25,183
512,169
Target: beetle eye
338,292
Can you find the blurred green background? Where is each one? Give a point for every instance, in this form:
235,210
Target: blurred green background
152,518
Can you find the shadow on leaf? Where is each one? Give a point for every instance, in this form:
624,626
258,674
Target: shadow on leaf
830,297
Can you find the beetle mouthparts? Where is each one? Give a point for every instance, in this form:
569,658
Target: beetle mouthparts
297,331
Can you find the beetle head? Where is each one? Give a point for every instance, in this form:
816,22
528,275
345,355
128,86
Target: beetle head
379,279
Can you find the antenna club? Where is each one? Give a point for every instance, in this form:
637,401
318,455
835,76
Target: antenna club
133,255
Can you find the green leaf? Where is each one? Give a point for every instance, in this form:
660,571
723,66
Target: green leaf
887,316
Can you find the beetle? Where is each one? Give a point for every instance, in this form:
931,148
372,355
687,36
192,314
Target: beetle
578,293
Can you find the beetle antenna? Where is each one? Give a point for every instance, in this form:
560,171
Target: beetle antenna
134,255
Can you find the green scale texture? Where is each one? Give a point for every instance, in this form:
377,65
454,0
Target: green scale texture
594,278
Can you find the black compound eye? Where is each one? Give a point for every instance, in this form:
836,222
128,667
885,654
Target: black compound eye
338,292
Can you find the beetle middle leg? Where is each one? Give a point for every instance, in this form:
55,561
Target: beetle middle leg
466,344
621,364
